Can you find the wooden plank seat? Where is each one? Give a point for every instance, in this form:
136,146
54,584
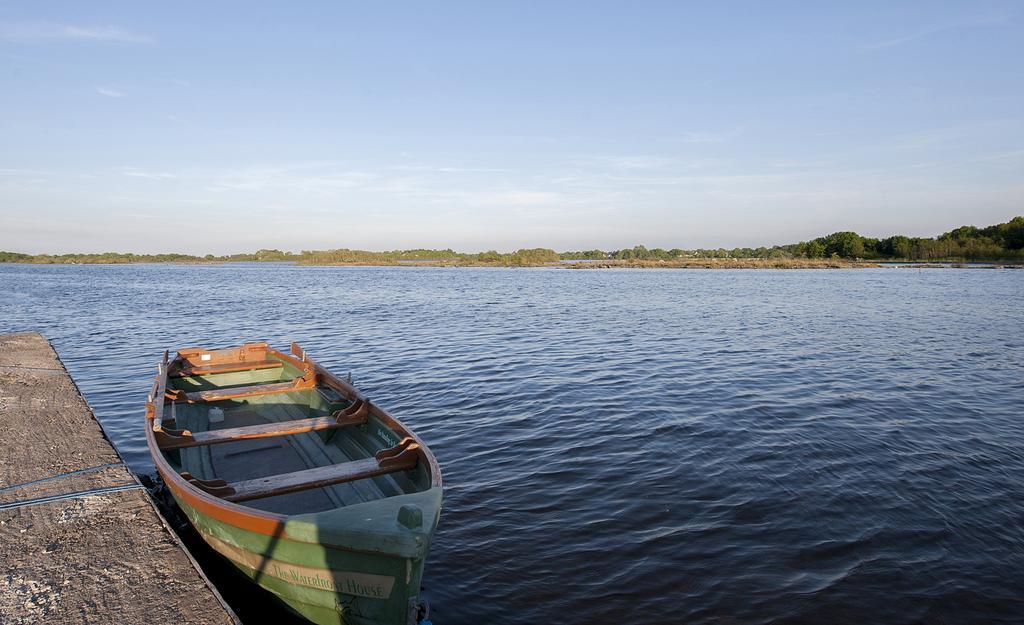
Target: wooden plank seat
355,414
236,392
227,367
401,457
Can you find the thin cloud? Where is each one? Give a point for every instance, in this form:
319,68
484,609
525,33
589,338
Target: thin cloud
28,32
622,161
151,175
710,137
110,93
319,178
448,170
639,162
14,171
932,30
898,41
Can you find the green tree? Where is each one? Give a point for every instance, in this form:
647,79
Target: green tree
816,249
843,244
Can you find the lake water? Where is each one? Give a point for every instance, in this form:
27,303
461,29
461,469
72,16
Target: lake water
637,446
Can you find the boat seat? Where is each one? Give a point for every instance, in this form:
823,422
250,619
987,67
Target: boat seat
402,457
237,392
228,367
320,449
355,414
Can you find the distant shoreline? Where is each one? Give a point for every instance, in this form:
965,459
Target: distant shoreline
694,264
999,244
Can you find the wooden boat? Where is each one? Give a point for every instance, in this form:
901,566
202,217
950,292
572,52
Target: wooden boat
288,471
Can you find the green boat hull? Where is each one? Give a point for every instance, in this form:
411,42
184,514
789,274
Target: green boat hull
335,584
341,501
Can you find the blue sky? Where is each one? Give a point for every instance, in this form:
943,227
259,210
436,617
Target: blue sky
228,126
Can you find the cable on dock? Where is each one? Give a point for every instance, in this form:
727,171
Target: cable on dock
83,493
101,467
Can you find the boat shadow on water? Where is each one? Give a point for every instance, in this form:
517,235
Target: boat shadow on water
251,603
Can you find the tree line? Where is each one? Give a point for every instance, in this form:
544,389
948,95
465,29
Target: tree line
999,242
1003,241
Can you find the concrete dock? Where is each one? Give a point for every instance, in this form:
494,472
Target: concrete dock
80,539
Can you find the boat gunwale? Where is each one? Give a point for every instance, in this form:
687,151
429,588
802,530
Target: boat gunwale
246,517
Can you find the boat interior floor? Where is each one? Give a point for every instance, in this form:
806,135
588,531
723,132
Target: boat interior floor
255,458
248,459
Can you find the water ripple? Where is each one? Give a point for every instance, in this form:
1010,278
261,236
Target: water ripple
637,446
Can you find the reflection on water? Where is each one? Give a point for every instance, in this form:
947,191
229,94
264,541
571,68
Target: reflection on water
634,446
